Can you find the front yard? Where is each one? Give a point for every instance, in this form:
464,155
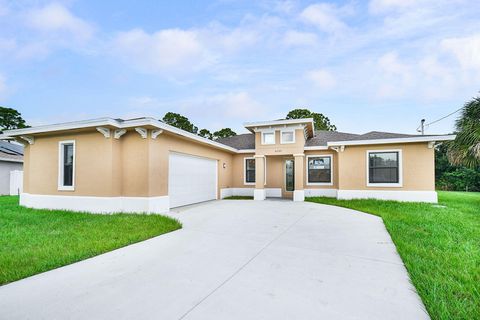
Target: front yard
440,246
34,241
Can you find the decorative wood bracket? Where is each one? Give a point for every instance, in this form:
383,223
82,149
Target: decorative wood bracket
29,139
156,133
104,131
431,144
142,131
118,133
339,149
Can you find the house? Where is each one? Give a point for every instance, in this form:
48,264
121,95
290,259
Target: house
145,165
11,165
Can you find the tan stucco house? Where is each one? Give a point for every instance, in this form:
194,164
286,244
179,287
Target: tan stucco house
145,165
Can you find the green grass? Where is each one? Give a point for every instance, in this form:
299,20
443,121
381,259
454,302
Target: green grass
440,247
239,198
34,241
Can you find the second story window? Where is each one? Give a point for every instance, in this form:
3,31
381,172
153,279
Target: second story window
287,136
268,137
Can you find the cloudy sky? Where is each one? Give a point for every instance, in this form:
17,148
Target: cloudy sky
367,65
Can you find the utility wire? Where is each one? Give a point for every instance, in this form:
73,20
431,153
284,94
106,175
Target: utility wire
448,115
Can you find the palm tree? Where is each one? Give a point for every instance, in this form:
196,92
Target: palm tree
465,149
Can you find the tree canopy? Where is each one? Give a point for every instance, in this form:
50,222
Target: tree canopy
224,133
11,119
321,122
206,134
465,149
179,121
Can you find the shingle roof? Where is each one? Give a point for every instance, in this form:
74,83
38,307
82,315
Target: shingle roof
321,137
240,141
10,151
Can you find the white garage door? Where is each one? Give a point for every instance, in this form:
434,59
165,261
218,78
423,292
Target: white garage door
191,179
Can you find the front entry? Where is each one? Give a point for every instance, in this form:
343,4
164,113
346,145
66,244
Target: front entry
289,178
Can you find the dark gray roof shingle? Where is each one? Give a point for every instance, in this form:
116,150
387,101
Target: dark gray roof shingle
11,151
240,141
321,137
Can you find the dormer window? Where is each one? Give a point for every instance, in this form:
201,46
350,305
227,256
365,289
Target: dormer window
287,136
268,137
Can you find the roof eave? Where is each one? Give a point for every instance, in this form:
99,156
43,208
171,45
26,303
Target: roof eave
391,140
116,124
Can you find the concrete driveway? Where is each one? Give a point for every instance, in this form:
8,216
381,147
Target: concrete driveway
234,260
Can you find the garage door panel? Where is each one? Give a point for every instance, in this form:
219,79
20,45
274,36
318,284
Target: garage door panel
191,179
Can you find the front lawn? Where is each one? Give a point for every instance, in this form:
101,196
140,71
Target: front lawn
34,241
440,246
238,198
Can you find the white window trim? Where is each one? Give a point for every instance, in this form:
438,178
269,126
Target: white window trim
331,170
61,187
245,171
263,132
400,169
285,131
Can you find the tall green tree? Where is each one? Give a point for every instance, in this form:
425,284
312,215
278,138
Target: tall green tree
321,122
179,121
206,134
465,149
224,133
11,119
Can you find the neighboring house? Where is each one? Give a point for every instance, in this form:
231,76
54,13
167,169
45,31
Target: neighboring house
11,159
145,165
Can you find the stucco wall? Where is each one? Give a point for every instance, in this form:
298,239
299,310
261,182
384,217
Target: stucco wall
131,166
418,167
278,148
5,168
93,165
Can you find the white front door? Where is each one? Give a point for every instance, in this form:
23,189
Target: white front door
191,179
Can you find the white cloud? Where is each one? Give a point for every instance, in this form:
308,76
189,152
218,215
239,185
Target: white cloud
325,17
322,78
391,65
296,38
168,50
238,105
465,49
382,6
55,18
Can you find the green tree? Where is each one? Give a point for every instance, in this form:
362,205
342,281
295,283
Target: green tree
224,133
465,149
11,119
206,134
179,121
452,177
321,122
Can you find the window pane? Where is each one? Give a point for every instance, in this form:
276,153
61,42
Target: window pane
68,164
287,136
319,170
383,167
269,138
289,175
250,170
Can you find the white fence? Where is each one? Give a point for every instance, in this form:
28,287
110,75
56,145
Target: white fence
16,182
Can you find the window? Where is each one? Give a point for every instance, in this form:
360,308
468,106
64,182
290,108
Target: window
384,168
268,137
249,170
288,136
319,170
66,170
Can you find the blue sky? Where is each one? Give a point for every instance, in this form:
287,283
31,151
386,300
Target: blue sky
367,65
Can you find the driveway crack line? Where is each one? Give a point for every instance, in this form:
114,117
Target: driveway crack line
241,267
